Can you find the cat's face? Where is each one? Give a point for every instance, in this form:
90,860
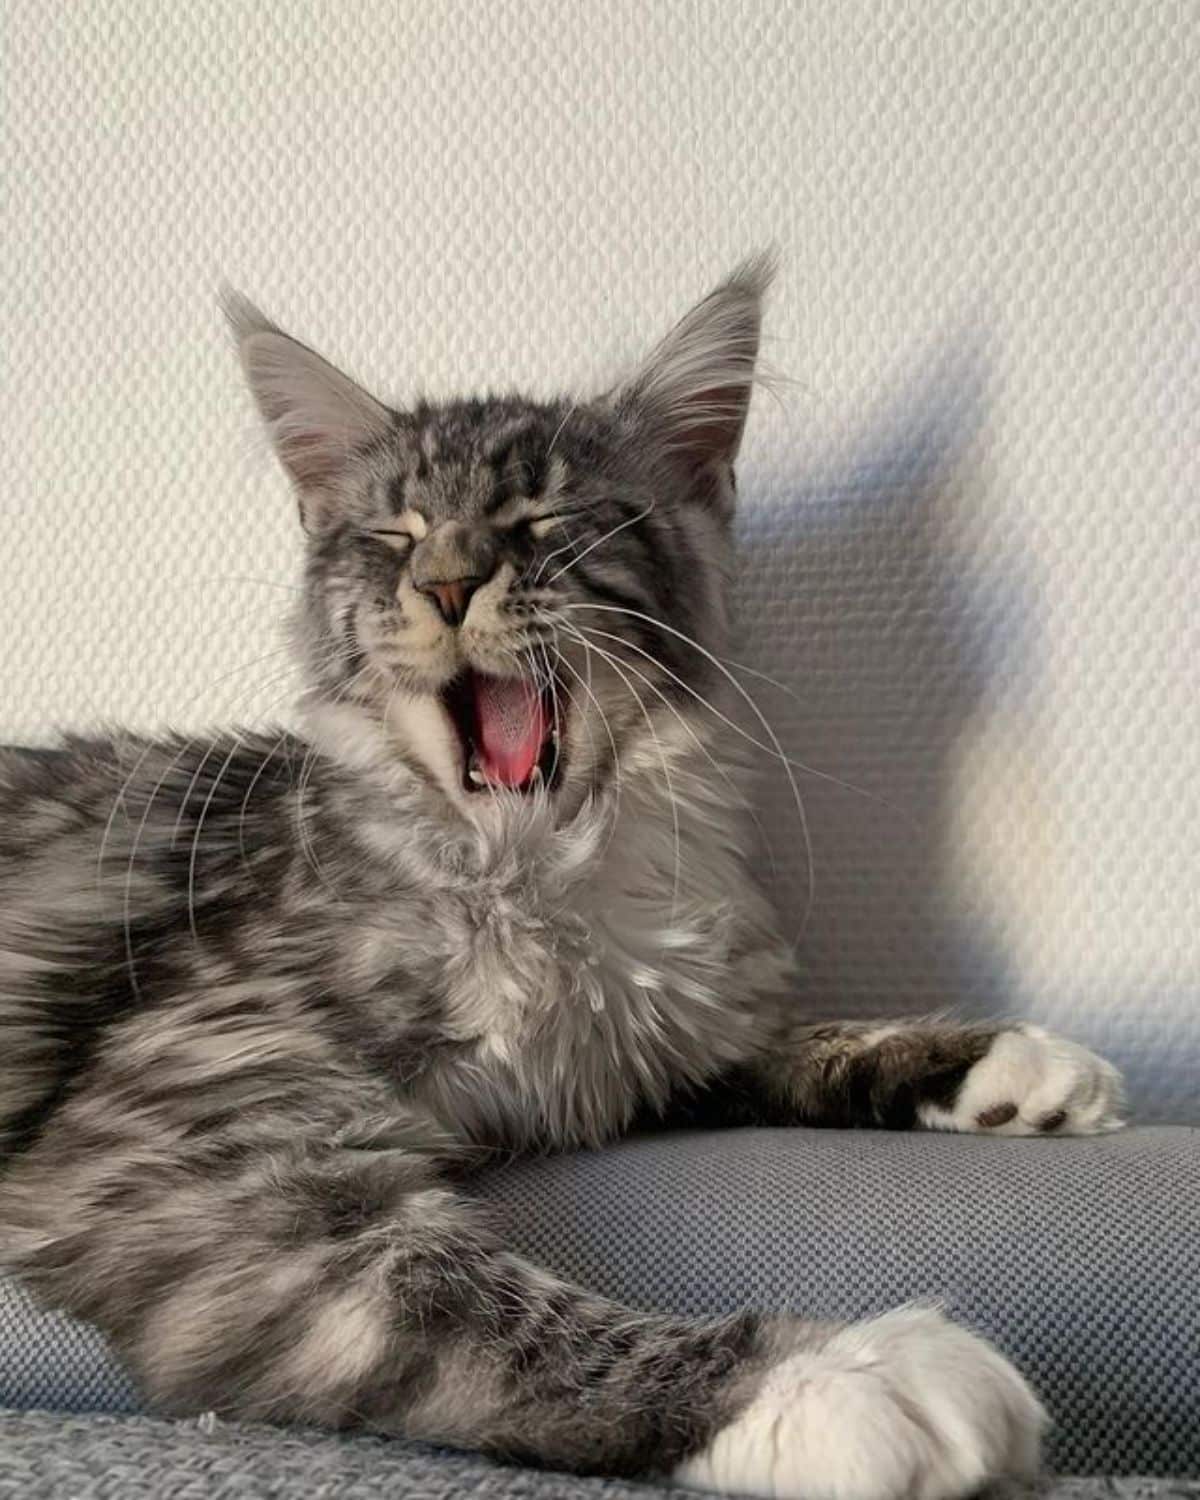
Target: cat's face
522,596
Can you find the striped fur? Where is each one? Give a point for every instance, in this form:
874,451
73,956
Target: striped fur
263,1000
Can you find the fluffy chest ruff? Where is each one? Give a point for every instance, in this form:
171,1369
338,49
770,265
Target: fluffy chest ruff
585,968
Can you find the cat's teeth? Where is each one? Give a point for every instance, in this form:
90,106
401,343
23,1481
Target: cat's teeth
476,776
536,774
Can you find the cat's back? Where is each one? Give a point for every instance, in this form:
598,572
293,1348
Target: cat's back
109,847
94,812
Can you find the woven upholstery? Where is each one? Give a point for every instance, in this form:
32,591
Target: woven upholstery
45,1455
1081,1258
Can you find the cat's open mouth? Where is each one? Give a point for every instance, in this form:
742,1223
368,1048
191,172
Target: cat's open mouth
507,730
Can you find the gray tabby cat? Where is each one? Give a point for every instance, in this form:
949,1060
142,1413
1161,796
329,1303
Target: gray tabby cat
263,1000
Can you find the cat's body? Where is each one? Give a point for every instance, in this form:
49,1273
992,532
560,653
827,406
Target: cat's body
529,989
262,1000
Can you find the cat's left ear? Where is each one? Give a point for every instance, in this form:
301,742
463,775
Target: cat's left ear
315,416
690,397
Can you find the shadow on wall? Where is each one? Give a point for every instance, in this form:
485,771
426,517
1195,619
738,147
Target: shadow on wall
864,595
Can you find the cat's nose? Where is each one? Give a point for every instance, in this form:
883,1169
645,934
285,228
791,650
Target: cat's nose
450,564
451,596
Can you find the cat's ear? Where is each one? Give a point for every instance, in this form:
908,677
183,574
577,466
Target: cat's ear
315,416
691,395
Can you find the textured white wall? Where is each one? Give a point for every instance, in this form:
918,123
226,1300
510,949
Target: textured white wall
972,527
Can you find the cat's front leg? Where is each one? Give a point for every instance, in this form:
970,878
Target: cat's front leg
355,1288
911,1075
1031,1082
907,1404
938,1075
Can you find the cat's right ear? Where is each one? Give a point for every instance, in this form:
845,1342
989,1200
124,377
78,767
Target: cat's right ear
315,416
690,397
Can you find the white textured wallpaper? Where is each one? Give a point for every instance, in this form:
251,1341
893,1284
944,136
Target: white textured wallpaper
972,526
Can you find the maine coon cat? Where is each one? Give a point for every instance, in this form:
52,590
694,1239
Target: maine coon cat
263,1000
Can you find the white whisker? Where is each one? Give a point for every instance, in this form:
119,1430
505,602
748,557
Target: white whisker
618,669
127,901
558,431
264,583
721,771
308,767
761,717
591,547
254,780
194,852
586,685
722,664
569,545
151,745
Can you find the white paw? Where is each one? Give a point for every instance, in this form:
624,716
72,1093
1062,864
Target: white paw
1032,1083
905,1407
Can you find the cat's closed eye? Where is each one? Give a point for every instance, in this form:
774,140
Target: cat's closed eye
540,526
400,540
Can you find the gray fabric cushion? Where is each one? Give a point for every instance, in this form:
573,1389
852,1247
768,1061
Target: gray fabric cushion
1079,1257
50,1360
44,1455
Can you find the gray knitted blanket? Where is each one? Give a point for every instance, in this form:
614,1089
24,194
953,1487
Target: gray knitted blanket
45,1454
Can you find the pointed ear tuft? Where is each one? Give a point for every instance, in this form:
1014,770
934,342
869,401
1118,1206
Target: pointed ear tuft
692,393
315,416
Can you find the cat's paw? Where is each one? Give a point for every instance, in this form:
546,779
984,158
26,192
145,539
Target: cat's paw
1032,1083
908,1406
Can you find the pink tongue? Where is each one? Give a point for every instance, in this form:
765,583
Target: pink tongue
512,728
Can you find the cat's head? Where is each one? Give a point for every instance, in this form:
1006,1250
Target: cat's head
517,597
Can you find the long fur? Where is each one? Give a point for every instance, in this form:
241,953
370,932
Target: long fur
263,999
